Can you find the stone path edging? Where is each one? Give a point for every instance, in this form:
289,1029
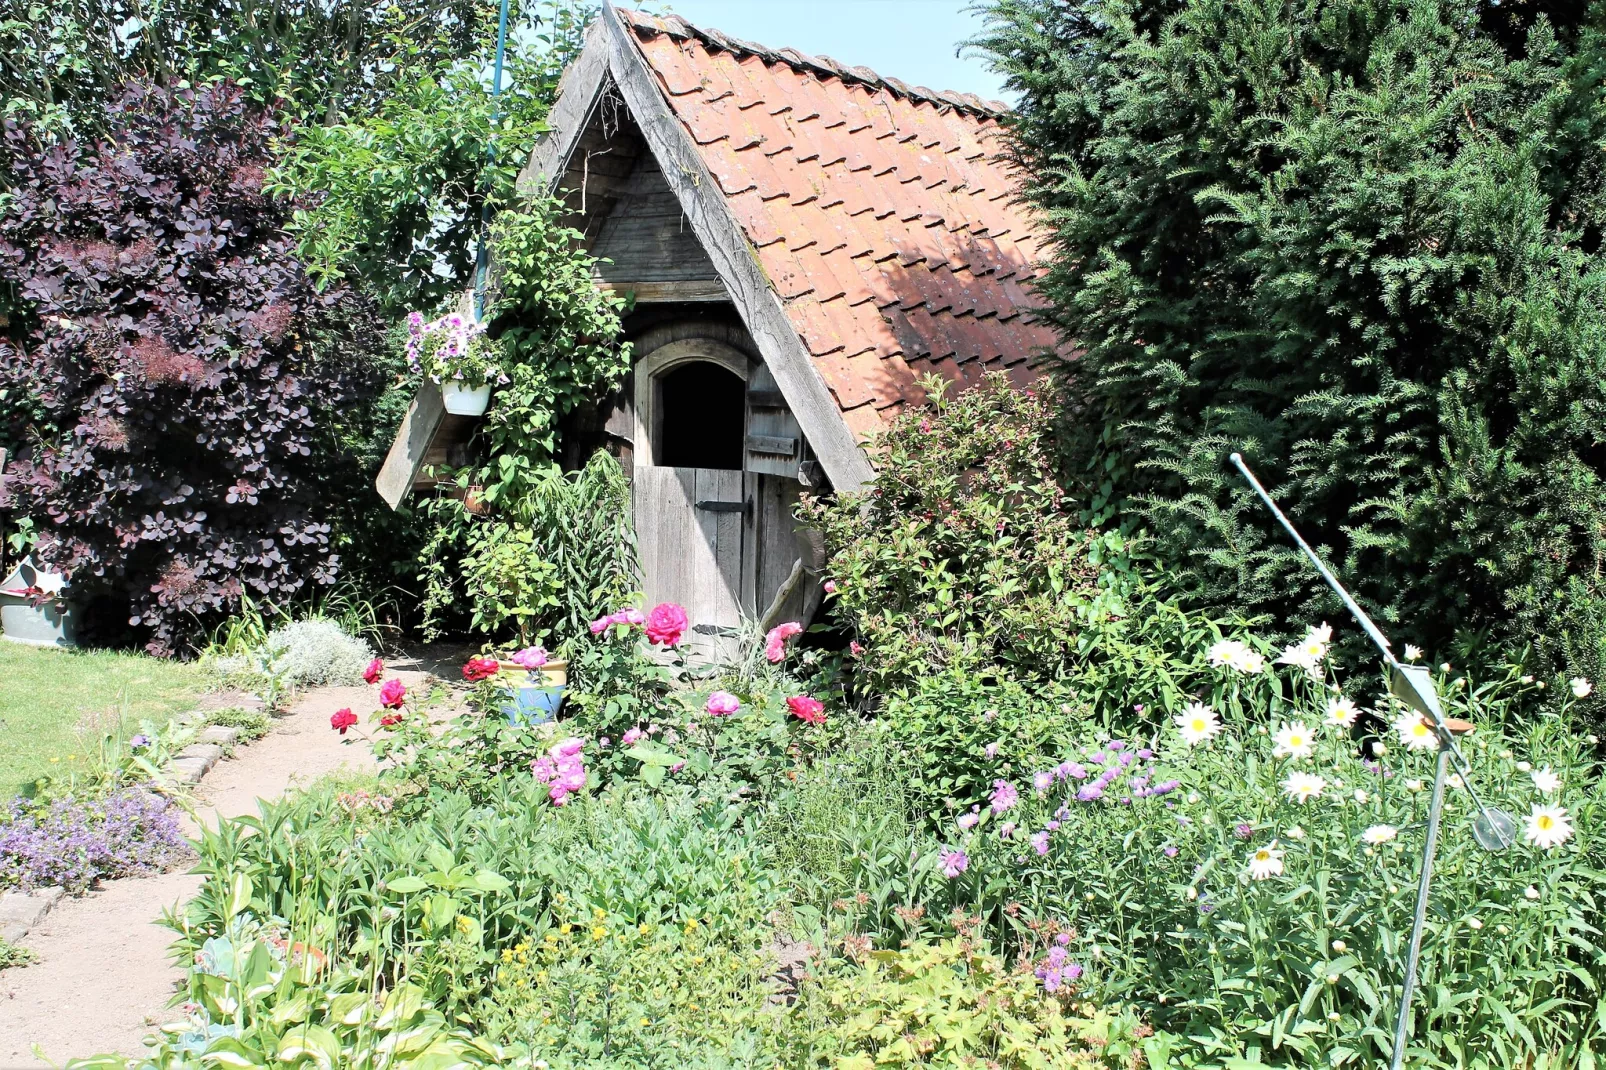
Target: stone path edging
21,911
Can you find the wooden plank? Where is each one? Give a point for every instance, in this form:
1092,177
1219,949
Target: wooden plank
723,530
411,443
716,226
579,89
772,445
663,292
770,424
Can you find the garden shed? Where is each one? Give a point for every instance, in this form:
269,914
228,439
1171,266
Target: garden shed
802,241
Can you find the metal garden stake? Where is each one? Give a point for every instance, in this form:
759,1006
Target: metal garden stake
1494,829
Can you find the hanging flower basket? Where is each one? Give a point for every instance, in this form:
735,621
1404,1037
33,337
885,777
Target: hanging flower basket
462,400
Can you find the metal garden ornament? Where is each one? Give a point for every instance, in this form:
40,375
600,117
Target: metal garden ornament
1412,685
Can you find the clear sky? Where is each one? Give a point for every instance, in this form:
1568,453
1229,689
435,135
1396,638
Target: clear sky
912,40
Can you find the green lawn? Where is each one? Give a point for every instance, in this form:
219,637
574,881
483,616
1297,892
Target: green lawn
54,702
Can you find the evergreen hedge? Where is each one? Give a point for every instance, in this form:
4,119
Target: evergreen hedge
1359,241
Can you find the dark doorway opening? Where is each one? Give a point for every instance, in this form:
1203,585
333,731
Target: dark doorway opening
704,417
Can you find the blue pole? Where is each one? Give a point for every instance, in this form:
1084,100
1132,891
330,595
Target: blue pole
482,260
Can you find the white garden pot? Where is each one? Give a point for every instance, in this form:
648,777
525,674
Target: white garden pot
465,400
49,624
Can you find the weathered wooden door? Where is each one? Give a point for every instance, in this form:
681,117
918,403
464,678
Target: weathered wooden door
691,527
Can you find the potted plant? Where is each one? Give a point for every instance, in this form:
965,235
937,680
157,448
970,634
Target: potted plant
536,684
33,607
455,353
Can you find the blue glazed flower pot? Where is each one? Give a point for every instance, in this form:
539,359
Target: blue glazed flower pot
533,704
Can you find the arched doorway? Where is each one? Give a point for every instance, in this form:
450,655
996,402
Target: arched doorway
694,514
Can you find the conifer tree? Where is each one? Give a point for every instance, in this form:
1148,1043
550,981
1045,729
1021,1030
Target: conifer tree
1359,241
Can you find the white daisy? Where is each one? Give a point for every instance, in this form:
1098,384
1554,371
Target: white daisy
1293,741
1341,713
1302,787
1197,723
1379,834
1225,653
1252,663
1581,687
1266,862
1531,892
1361,796
1302,656
1415,732
1295,832
1546,781
1523,767
1548,826
1413,653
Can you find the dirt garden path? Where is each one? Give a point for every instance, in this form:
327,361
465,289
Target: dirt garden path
104,976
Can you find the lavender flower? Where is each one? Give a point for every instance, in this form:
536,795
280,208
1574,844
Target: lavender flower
73,842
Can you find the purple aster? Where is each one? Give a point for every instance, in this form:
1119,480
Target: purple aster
1040,842
954,863
1004,796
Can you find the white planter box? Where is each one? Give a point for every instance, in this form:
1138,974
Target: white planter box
465,400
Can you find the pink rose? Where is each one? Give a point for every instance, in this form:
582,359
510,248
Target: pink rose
830,586
775,641
531,657
856,648
342,720
373,672
568,748
722,704
631,617
806,708
665,624
600,625
392,694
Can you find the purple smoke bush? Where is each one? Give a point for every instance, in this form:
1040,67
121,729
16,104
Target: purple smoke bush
73,841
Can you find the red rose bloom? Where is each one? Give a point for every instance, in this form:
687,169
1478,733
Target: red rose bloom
342,720
665,624
479,669
390,720
392,695
373,672
808,709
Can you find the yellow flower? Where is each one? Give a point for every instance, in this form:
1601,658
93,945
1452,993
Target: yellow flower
507,955
644,928
598,933
645,1023
565,928
551,938
691,924
598,913
464,925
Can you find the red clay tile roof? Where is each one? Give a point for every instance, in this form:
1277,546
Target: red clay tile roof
879,211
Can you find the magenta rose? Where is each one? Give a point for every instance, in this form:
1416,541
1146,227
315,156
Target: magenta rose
665,624
392,694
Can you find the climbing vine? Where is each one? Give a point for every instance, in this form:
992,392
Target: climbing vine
559,336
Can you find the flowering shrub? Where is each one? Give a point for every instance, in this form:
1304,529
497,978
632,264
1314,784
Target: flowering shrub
1251,885
964,558
189,376
972,1011
73,841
